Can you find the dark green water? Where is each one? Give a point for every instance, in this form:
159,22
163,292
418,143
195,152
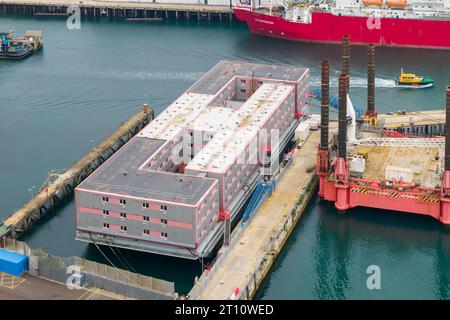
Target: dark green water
57,104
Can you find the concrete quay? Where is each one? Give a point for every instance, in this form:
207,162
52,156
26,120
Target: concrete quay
241,267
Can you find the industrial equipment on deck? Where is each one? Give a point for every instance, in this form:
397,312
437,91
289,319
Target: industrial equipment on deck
392,173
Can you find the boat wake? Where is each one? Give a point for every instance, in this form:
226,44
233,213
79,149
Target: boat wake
355,82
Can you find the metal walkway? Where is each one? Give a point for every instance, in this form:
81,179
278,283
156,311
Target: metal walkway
241,267
400,142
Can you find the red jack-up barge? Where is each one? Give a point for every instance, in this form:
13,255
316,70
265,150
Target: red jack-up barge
400,174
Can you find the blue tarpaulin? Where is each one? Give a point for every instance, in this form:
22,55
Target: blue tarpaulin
13,263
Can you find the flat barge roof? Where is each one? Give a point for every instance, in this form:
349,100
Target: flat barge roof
122,176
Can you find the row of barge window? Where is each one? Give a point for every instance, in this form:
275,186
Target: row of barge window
124,202
146,231
124,215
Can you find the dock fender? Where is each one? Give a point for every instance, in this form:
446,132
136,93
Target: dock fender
445,199
322,167
445,212
342,186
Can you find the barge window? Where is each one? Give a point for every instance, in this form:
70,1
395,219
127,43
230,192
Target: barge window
164,221
146,231
164,235
105,199
106,212
123,228
145,205
164,208
106,225
123,215
146,218
123,201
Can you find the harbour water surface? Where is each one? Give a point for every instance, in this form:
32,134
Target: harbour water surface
58,104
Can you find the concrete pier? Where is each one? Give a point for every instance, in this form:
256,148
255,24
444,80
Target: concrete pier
47,278
64,184
120,9
240,268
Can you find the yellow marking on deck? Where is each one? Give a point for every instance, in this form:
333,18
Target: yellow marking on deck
359,190
429,199
87,292
93,293
9,281
90,293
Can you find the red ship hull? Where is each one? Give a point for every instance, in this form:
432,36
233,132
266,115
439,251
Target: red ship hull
328,28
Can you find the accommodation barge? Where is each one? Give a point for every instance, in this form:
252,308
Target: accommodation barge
177,186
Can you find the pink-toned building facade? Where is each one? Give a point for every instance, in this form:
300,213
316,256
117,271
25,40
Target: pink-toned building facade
168,188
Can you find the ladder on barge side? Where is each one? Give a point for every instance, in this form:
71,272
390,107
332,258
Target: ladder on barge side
261,189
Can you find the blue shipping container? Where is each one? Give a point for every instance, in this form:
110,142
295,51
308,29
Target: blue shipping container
13,263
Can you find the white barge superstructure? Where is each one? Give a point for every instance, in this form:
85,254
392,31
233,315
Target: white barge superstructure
170,189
